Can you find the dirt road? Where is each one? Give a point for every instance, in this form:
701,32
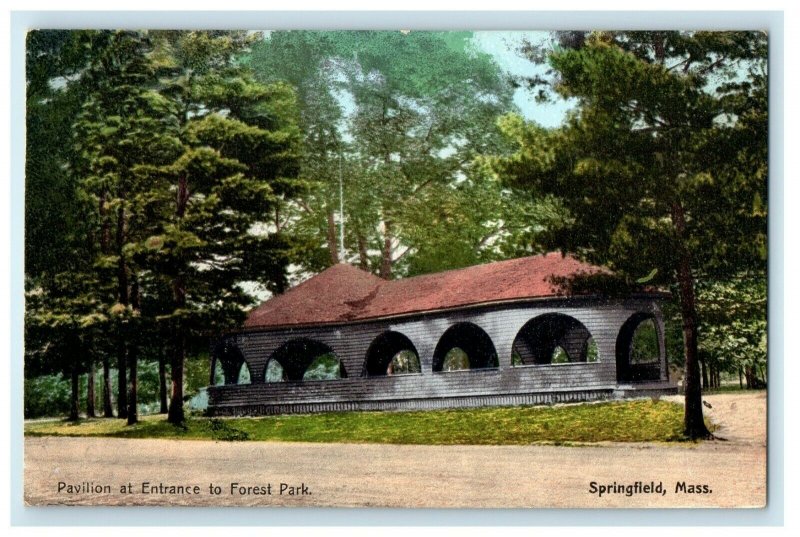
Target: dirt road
720,474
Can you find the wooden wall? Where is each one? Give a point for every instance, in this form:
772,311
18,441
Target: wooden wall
503,385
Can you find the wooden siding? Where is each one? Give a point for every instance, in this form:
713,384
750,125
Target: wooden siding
503,385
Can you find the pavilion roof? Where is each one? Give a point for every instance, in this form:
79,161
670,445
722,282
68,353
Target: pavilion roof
344,293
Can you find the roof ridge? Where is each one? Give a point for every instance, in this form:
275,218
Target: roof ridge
499,262
347,292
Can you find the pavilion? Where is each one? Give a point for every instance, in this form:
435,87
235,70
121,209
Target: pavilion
504,333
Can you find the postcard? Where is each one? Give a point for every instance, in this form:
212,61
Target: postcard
396,268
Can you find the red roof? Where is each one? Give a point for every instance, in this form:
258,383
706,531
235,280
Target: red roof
344,293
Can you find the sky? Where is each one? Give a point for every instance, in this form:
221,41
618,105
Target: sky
503,47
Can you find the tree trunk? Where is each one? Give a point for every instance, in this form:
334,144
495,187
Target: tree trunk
122,291
333,251
122,377
73,407
363,256
105,241
162,382
386,252
90,391
741,386
704,369
694,426
108,409
176,415
133,359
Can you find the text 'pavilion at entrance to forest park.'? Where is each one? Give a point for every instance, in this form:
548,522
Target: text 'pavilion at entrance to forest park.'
504,333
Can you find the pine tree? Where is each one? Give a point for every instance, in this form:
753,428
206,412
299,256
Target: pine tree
208,210
125,131
662,166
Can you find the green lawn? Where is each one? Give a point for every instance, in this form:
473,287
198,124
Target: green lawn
629,421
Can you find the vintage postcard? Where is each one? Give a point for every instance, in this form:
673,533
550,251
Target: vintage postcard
396,268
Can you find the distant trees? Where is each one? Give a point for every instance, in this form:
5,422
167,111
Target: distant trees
399,118
733,330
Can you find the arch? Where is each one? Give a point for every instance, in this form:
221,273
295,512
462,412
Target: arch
592,350
539,340
217,374
244,376
472,340
560,356
638,349
324,367
391,353
274,372
297,355
227,360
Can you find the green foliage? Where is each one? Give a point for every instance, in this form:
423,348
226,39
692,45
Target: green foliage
734,335
661,167
244,375
455,359
644,347
275,372
399,118
223,430
196,374
49,395
560,356
404,363
652,131
54,213
591,350
324,367
179,156
46,395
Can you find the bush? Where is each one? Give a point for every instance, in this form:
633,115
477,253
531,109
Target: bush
49,395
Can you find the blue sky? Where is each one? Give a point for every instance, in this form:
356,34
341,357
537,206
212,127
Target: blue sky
503,46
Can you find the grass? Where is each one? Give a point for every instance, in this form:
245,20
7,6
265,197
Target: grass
628,421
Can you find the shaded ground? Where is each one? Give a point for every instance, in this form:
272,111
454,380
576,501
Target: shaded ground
413,476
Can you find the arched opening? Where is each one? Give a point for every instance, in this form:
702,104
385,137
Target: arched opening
553,338
244,374
391,353
274,372
464,346
560,356
324,367
592,353
638,349
227,364
218,377
304,359
404,363
455,359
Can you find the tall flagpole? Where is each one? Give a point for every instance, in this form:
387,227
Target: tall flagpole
341,211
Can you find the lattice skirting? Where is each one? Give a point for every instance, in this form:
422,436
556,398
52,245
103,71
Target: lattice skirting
471,401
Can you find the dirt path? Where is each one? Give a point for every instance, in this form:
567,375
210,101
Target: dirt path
734,471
